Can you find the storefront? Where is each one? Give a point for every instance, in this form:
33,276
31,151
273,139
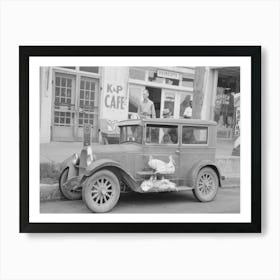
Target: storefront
103,96
168,89
227,103
69,99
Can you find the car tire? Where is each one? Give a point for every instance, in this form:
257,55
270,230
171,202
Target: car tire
206,185
71,195
101,191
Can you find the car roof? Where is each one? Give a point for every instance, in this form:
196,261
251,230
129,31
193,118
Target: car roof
166,121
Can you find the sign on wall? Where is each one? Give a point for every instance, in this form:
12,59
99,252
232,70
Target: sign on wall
114,101
168,74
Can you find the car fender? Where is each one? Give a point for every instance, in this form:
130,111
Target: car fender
192,175
115,167
68,163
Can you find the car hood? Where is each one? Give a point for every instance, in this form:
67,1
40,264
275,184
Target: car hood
121,149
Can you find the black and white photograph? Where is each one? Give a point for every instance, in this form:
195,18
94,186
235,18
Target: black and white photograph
148,139
123,142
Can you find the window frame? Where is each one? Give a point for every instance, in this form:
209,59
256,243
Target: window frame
74,125
66,75
196,144
135,142
161,144
87,72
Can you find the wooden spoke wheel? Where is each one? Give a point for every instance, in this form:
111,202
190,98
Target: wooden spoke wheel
101,191
206,185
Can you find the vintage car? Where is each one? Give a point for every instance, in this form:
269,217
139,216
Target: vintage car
153,155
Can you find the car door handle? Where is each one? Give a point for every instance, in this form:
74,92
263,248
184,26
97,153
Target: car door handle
177,152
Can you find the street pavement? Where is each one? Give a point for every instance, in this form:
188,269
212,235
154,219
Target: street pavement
226,201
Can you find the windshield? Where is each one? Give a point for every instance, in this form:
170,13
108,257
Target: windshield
131,133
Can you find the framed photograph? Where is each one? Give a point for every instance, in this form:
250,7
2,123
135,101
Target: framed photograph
140,138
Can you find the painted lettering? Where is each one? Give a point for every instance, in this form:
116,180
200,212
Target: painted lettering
109,88
113,89
119,88
106,101
115,102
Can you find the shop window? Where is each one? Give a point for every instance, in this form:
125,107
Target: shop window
89,69
137,74
62,118
161,134
63,90
185,105
187,82
87,118
87,94
224,108
88,89
194,135
169,104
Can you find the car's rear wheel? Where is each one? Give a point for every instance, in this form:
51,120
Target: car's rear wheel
206,185
66,192
101,191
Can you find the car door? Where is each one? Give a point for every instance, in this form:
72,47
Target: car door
194,147
160,142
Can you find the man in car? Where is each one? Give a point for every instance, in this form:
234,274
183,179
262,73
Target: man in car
146,108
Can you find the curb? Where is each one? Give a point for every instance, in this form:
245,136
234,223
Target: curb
229,165
231,181
50,192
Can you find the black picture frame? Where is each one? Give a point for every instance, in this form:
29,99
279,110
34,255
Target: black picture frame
254,52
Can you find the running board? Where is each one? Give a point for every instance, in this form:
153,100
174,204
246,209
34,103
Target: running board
156,190
184,188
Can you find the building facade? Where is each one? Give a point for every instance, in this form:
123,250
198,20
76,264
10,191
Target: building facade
102,96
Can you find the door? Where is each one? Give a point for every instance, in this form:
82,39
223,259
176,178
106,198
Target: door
63,119
75,104
87,107
161,142
155,96
170,101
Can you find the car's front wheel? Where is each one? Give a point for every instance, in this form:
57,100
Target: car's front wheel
101,191
206,185
68,192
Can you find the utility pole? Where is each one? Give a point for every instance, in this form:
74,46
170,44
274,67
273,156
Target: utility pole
198,95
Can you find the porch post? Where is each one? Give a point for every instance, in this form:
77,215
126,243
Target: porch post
198,95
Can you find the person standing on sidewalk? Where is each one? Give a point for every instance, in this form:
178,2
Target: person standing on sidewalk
146,108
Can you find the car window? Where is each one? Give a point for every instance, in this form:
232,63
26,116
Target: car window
161,134
194,135
131,133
